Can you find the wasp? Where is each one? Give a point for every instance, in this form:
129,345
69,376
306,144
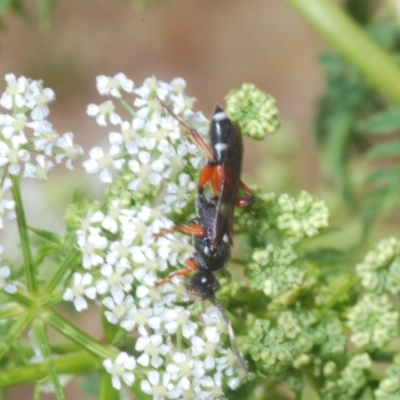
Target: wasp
224,166
212,228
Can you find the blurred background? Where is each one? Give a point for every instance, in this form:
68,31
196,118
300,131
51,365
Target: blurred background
214,45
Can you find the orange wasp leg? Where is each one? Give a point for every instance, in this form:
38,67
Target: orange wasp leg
244,201
205,176
191,267
192,229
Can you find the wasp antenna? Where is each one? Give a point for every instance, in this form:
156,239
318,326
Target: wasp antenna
231,336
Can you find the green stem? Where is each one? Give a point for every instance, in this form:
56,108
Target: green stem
24,236
43,343
61,271
127,107
14,333
79,362
77,335
350,40
11,311
21,298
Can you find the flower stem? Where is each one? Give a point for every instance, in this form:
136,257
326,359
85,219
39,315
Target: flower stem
43,343
14,333
61,271
78,336
72,363
350,40
24,236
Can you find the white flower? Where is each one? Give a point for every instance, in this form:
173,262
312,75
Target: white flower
153,349
37,99
45,137
179,318
7,286
121,368
152,88
100,162
146,170
69,150
103,111
119,254
114,278
157,385
178,195
130,136
11,154
13,128
82,285
40,170
113,86
15,92
118,305
110,221
91,243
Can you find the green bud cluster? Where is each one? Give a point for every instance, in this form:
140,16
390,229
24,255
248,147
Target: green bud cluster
279,346
301,216
348,382
254,110
373,321
389,388
380,270
273,272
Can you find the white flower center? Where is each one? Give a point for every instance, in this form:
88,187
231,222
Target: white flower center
152,350
105,162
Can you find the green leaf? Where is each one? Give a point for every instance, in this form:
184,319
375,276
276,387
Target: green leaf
383,175
385,122
325,256
46,235
359,9
44,252
385,150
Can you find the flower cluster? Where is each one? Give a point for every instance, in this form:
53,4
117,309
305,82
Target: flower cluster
380,270
255,111
348,382
302,216
373,321
389,388
150,147
280,345
274,272
151,156
27,140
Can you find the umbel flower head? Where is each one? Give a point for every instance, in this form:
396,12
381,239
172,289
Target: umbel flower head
254,110
150,167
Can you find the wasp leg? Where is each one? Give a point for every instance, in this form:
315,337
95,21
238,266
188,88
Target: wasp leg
191,229
191,267
245,201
